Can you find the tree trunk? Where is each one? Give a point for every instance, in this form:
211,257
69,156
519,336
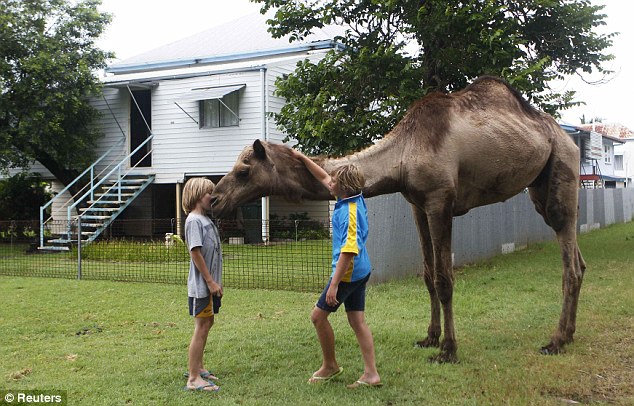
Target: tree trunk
62,174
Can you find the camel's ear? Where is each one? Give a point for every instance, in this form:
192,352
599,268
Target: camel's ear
258,148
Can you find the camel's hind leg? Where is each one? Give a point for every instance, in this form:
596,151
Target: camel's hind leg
555,194
434,329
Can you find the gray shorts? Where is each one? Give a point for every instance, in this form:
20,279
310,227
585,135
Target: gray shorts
204,306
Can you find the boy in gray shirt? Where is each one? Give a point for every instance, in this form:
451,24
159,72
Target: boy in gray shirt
204,282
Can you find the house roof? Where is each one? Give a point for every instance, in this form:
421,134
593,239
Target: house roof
609,130
244,38
586,129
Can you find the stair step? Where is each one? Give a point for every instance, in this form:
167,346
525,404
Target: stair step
58,241
114,194
91,225
93,217
129,180
86,209
53,248
106,201
123,187
64,241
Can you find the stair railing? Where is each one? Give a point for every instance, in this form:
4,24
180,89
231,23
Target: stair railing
601,182
116,169
91,170
116,185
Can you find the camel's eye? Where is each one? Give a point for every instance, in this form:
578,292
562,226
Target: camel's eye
243,173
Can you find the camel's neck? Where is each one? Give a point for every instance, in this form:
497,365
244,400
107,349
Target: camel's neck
380,165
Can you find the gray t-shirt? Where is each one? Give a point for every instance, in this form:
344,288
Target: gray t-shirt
201,232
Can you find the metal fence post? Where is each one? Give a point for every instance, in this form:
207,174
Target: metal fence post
78,248
41,226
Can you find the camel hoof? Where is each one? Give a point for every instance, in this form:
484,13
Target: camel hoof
444,358
551,349
428,342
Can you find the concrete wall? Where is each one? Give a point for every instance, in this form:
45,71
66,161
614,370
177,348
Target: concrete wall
484,232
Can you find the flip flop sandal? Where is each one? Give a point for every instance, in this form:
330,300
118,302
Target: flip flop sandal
205,375
363,384
202,388
323,379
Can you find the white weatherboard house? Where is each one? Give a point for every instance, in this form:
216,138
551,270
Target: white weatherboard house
623,162
188,109
597,153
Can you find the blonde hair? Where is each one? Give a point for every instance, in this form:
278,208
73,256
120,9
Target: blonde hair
349,178
194,190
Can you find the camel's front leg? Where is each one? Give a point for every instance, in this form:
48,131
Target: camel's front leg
434,330
440,219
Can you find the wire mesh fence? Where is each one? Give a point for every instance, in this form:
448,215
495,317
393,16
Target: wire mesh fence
296,257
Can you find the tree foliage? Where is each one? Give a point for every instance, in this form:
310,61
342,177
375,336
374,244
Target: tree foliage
21,196
397,51
48,58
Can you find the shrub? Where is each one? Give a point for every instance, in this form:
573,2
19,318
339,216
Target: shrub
21,196
298,226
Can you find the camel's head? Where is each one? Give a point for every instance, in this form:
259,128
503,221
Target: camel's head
262,169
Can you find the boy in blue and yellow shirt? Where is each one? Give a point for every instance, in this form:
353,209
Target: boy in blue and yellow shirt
351,271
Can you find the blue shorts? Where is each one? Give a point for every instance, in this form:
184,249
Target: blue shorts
203,306
351,294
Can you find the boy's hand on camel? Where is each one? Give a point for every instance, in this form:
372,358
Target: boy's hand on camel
297,154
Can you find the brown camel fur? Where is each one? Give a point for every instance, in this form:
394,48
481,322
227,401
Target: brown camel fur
449,154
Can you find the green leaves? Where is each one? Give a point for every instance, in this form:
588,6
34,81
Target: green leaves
21,197
340,104
47,64
397,51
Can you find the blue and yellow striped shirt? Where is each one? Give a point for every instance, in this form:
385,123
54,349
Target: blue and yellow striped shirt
349,234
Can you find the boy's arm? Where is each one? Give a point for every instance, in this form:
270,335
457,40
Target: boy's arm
317,171
343,263
197,257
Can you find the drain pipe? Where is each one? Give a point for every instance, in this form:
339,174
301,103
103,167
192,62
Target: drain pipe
264,137
179,230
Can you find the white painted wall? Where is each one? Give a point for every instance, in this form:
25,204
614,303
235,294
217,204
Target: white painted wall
605,168
627,150
58,211
180,147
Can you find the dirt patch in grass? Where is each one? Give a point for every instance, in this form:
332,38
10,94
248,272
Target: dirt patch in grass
614,384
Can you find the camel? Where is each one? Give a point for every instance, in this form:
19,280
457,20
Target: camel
448,154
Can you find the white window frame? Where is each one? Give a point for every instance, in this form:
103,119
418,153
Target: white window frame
226,109
607,154
618,162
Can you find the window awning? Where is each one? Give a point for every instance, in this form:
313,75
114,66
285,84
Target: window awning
603,177
210,93
133,85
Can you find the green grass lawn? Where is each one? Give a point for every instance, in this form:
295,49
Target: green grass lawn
113,343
